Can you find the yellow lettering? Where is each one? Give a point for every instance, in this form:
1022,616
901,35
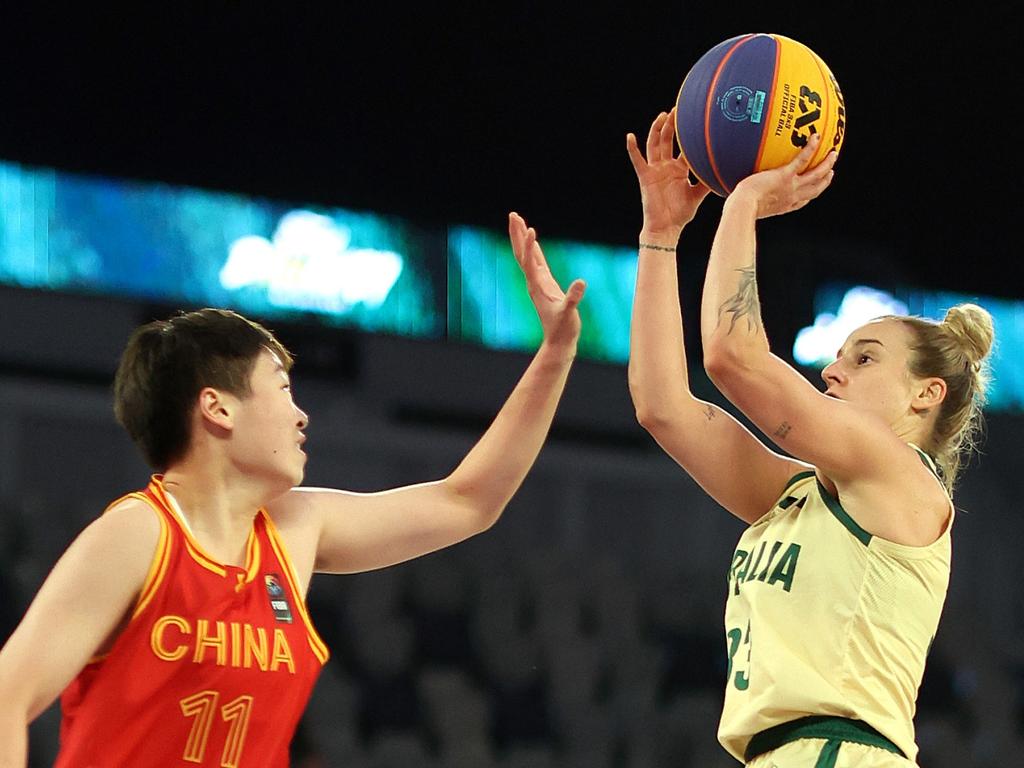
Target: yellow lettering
282,653
252,649
236,644
248,645
157,635
201,706
204,640
237,714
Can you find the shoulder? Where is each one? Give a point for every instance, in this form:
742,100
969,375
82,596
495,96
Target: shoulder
298,517
108,562
305,507
907,504
300,514
127,533
131,516
299,508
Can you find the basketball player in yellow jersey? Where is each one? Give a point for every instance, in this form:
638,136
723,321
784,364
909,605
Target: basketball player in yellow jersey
837,585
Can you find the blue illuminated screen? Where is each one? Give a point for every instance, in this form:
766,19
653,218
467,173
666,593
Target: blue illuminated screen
272,259
61,231
841,308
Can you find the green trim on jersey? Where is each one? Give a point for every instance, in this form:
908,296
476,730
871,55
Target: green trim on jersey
796,479
836,729
928,461
842,515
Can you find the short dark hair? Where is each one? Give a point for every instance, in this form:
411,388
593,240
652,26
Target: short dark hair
165,365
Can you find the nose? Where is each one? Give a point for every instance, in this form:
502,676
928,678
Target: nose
303,421
833,374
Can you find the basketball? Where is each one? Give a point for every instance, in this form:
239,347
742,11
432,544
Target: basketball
751,103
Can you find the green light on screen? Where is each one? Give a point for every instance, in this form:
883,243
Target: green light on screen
488,303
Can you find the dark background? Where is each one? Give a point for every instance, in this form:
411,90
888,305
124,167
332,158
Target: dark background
460,112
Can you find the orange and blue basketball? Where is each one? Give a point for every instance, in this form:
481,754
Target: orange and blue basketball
751,103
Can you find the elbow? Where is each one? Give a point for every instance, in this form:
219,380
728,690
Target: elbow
475,511
727,355
722,364
716,363
735,373
650,412
657,415
651,419
646,414
484,513
480,519
489,520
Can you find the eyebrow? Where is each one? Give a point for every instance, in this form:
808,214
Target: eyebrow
279,368
276,358
860,343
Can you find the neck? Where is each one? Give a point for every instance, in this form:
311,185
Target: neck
915,428
218,505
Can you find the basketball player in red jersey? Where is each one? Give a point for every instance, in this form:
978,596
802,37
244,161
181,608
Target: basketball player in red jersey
175,624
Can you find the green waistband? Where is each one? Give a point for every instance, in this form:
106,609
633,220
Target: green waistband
818,727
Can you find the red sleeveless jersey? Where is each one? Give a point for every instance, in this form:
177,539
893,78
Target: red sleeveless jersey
214,668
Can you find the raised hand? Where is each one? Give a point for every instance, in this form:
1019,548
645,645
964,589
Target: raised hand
791,186
556,308
670,201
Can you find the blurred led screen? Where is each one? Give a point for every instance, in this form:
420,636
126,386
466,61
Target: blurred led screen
840,308
67,232
488,303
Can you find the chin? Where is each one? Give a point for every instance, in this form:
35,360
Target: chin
295,477
286,480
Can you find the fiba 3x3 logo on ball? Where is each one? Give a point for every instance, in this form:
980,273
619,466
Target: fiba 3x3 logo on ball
751,103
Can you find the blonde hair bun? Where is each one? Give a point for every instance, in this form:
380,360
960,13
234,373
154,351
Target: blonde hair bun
972,327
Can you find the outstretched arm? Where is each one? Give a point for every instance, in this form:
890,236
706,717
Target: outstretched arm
721,455
775,396
357,532
658,380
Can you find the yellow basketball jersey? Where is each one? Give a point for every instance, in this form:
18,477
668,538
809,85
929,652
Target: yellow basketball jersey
823,618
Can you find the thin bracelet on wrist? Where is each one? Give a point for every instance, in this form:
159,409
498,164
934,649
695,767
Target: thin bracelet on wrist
654,247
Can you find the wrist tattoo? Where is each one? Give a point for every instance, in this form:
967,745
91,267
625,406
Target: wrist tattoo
654,247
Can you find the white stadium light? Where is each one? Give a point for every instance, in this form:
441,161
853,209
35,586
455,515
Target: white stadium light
817,345
308,264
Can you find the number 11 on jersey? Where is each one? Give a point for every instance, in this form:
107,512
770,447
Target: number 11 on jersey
202,707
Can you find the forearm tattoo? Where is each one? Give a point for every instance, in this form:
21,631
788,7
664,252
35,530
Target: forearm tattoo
744,302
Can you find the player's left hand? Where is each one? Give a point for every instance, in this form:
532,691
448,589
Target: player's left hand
791,186
669,200
556,308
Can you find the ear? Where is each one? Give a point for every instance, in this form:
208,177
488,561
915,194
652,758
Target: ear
930,394
216,408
